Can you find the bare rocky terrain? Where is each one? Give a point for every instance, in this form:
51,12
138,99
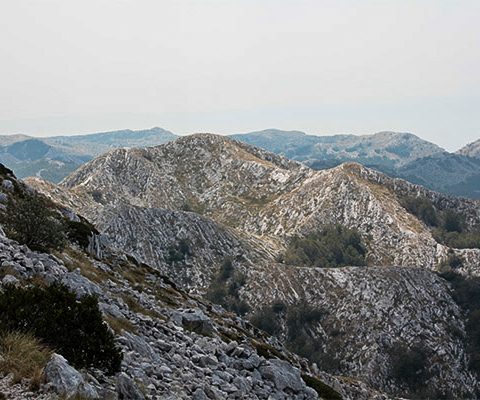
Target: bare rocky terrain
187,206
175,345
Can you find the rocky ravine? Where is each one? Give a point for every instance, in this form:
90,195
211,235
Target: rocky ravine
252,202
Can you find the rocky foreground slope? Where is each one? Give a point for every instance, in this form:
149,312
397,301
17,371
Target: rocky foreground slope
174,345
190,206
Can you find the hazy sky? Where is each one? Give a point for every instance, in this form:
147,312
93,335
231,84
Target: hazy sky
232,66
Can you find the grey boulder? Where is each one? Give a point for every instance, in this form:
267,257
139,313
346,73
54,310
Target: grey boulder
126,389
284,375
66,380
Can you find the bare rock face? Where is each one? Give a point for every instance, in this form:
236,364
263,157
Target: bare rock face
126,389
369,314
471,149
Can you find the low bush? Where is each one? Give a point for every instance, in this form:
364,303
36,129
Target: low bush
448,227
458,240
408,366
333,246
225,288
422,208
178,252
267,320
73,327
465,292
30,220
451,263
300,321
80,232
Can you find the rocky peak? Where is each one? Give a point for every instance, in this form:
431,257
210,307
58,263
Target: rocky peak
471,149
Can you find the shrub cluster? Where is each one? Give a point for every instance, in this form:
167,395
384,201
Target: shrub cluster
465,292
224,289
30,220
73,327
408,366
333,246
448,227
422,208
299,322
178,252
268,318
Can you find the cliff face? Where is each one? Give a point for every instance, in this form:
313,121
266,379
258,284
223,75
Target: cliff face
187,206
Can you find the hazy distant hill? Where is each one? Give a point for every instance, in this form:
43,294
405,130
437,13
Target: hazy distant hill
53,158
98,143
397,154
445,172
389,149
471,149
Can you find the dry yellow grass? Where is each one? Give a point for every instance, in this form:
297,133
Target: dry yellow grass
120,324
24,356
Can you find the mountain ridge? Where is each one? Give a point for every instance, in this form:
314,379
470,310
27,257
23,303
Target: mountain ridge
397,154
190,206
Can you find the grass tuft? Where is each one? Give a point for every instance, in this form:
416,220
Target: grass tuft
24,356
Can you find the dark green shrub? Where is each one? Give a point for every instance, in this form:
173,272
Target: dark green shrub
458,240
454,261
279,307
300,321
73,327
453,222
97,196
225,287
179,252
267,320
465,292
450,227
333,246
80,232
408,366
30,220
226,269
422,208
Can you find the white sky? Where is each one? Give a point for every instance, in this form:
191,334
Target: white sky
324,67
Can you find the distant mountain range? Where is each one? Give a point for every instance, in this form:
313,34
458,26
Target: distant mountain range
53,158
401,155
